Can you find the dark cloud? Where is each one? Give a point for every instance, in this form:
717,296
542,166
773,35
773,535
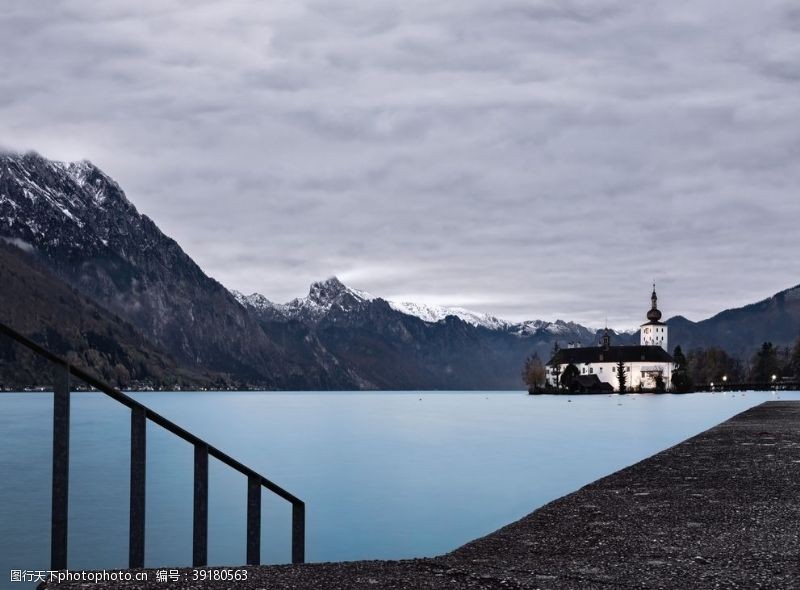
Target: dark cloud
533,159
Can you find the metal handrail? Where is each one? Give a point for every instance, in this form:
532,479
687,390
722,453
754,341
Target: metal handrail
202,450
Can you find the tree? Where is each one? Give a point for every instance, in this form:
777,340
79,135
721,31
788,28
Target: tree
793,366
765,364
570,372
660,385
556,366
711,365
533,373
681,380
621,377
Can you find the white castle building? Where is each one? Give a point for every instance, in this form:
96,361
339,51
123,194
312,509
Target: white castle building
595,368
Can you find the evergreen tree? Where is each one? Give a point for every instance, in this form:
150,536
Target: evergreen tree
681,380
660,385
793,367
556,367
765,364
621,377
570,372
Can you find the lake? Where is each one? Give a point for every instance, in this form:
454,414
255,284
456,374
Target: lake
384,475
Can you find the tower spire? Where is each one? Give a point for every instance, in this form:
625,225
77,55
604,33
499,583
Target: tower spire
654,314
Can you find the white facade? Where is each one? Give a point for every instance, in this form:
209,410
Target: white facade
637,373
644,365
655,335
654,332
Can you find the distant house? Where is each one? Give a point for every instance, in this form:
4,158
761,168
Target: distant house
644,365
590,384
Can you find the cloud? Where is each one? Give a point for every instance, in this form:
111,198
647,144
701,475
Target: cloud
21,244
539,158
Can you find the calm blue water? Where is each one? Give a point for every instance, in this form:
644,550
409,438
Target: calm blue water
384,475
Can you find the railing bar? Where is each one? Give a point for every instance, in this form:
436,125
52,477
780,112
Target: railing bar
60,495
151,415
298,532
253,521
275,489
200,518
137,496
202,452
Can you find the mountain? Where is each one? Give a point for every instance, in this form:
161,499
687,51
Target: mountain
392,345
73,231
332,293
42,306
741,331
79,224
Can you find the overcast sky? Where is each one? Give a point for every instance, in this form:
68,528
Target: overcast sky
531,159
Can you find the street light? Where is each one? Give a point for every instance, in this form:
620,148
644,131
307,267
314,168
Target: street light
774,377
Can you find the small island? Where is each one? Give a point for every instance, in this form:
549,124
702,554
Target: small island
650,368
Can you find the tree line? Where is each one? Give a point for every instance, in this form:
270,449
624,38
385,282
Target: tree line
703,366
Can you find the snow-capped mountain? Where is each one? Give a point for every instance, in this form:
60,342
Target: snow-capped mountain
400,345
82,234
323,297
331,294
61,206
78,222
437,313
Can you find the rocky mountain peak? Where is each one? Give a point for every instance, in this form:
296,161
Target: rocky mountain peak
332,290
99,186
58,204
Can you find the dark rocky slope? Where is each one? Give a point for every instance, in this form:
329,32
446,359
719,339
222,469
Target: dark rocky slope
741,331
82,226
36,303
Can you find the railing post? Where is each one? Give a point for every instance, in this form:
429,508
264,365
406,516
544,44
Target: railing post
253,520
60,497
298,532
200,528
138,466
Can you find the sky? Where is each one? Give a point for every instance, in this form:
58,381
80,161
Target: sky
529,159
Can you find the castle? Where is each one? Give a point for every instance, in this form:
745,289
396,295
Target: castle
595,368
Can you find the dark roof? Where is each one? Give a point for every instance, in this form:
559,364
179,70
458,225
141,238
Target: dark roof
613,354
589,383
654,324
588,380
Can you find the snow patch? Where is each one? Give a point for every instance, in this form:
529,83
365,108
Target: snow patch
436,313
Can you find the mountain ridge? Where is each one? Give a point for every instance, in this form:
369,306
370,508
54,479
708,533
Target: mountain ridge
82,226
78,223
323,294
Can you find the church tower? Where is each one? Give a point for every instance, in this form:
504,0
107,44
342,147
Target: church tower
654,331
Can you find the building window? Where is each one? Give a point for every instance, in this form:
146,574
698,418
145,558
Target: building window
591,370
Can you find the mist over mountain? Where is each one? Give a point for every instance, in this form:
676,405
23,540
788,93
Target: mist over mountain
71,230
